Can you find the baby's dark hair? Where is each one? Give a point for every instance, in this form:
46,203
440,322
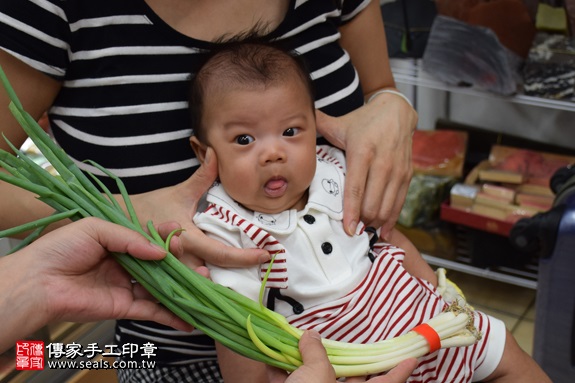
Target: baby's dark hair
244,62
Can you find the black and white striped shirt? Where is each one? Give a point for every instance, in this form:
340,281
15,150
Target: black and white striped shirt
123,103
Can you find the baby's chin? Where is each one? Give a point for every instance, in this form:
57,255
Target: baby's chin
267,209
277,205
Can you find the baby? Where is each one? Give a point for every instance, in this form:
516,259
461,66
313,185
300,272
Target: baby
253,105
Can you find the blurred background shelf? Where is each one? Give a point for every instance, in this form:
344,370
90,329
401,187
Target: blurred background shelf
501,274
410,72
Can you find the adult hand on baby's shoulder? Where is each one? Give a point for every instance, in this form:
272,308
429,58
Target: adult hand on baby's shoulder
179,203
377,141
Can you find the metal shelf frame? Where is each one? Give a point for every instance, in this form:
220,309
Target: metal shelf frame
410,72
480,272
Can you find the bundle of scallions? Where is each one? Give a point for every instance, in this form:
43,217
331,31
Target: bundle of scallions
239,323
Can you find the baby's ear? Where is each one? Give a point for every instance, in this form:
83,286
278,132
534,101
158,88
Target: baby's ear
199,148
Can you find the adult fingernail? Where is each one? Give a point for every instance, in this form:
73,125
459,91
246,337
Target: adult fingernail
208,156
158,247
352,228
384,235
265,257
314,334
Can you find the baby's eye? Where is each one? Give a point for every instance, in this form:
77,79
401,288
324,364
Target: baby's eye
244,139
290,132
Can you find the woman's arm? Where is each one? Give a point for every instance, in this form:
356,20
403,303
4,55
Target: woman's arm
377,136
36,91
364,39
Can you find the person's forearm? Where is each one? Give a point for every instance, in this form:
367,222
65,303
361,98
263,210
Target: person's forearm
21,307
36,91
364,39
19,206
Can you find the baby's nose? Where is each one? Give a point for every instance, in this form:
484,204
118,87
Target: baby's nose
274,153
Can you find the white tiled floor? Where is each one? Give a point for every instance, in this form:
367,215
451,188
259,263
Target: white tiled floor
514,305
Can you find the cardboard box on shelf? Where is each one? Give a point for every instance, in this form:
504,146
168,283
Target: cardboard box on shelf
508,213
463,195
539,202
474,220
535,167
535,189
495,175
495,212
502,196
485,205
492,200
497,220
505,192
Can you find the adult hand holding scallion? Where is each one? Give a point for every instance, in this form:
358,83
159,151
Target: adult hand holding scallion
317,369
68,275
237,322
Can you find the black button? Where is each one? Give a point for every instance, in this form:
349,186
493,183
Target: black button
309,218
326,247
297,308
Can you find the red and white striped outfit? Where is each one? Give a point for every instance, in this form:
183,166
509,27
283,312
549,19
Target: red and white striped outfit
345,296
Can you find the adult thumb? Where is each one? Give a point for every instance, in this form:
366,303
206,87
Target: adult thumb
314,355
205,176
331,128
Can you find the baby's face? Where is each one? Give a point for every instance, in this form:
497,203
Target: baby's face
264,140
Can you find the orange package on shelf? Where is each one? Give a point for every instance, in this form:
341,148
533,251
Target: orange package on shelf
439,152
536,167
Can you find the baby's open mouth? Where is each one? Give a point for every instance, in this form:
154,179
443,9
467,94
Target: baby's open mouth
275,187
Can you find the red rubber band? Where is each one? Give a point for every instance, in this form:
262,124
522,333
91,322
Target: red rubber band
430,336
